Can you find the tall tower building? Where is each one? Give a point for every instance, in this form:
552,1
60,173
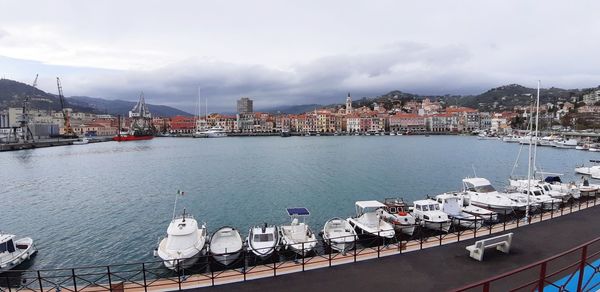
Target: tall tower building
348,104
244,105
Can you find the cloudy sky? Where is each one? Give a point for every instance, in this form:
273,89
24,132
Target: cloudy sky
296,52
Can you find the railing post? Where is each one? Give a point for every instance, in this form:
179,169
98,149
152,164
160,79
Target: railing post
109,279
421,236
179,274
39,276
441,231
355,246
302,257
74,280
562,208
331,250
458,231
244,252
503,220
581,267
7,283
486,287
475,233
144,275
552,209
382,241
276,252
542,277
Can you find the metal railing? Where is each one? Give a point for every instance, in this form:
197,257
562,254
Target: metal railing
571,270
206,271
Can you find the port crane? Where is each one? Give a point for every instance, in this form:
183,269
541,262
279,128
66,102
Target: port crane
68,130
24,120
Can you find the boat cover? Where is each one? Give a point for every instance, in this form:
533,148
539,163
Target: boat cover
298,211
552,179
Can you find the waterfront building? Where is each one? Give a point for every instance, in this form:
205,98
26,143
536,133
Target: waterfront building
244,105
283,122
245,122
4,119
95,129
403,122
467,119
353,123
183,125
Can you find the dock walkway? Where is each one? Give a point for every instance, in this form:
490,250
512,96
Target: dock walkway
441,268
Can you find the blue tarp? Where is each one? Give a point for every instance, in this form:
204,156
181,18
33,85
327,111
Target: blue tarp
298,211
591,279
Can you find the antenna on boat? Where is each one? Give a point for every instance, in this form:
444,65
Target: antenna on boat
474,172
179,192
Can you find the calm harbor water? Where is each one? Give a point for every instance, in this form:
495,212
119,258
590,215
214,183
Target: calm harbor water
109,203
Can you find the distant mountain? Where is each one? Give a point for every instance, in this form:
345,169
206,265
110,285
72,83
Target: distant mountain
122,107
508,96
13,92
291,109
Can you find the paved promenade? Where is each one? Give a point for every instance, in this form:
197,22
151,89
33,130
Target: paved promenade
440,268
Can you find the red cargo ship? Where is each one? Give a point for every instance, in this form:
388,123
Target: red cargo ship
121,138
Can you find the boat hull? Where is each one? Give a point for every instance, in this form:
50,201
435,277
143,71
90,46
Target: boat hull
438,226
131,138
340,245
227,258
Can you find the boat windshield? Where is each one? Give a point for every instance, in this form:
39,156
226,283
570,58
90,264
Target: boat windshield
484,189
7,246
425,208
263,237
434,207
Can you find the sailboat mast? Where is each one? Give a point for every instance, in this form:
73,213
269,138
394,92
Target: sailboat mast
537,115
199,112
529,165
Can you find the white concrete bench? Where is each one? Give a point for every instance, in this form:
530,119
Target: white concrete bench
501,243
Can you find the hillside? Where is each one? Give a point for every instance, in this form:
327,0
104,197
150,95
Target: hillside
13,92
122,107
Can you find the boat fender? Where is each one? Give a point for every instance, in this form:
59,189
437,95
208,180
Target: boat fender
402,213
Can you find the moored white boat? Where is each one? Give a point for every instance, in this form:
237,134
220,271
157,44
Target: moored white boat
185,240
298,237
567,144
369,220
339,234
82,141
397,214
263,240
429,215
451,204
14,251
482,194
226,245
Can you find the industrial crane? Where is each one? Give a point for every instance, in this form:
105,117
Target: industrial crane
68,130
26,133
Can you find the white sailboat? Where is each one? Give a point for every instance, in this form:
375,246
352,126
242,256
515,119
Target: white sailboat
369,220
13,251
339,234
297,236
226,245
